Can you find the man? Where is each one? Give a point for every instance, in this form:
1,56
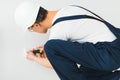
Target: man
71,42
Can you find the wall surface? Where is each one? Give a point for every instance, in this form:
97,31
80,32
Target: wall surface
14,41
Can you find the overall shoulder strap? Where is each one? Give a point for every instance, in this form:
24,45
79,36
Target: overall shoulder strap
89,11
74,17
78,16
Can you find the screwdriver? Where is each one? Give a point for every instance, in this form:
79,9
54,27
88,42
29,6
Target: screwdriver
37,52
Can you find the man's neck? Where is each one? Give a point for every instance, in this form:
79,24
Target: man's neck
50,16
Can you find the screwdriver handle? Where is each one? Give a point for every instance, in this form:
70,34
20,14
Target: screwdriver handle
38,51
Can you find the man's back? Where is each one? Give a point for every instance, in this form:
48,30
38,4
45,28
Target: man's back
81,30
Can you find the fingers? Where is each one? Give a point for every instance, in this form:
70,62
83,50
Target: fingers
29,52
31,56
41,46
42,55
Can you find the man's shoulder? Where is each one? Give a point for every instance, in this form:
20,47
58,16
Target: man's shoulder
70,10
67,11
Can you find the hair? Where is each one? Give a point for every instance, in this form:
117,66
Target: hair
42,14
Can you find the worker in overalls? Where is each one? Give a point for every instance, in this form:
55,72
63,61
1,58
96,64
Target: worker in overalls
77,36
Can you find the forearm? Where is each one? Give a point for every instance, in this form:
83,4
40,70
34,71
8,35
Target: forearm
44,62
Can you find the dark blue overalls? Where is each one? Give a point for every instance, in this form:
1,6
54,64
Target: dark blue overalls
97,60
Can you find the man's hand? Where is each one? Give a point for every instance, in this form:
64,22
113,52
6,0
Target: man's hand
41,58
30,55
43,54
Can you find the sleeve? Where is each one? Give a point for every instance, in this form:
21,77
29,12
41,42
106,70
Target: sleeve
58,35
58,32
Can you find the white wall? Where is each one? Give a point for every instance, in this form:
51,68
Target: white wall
13,41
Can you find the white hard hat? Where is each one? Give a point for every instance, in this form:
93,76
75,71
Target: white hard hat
26,13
